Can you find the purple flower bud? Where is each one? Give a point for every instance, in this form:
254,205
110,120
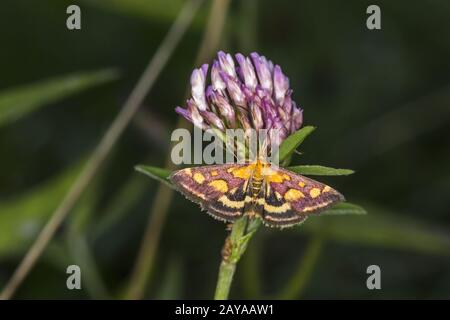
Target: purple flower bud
227,64
223,105
248,72
260,92
278,132
283,115
287,103
269,108
244,120
263,67
216,79
249,94
184,113
234,90
280,84
197,119
213,119
258,122
198,79
297,118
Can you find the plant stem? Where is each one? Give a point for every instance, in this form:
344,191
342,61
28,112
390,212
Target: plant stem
235,245
226,273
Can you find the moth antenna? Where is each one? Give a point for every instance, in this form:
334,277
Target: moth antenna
263,147
232,148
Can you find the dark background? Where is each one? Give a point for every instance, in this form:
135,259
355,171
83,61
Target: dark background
380,100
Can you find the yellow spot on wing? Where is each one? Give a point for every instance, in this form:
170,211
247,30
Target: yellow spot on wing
231,203
273,209
293,195
199,178
273,175
326,189
314,193
188,171
301,184
276,177
219,185
214,173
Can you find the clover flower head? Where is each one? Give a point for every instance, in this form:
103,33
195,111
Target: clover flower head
245,92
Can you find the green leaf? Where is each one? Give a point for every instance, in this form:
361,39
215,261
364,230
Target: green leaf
314,170
383,230
293,141
344,208
159,174
19,102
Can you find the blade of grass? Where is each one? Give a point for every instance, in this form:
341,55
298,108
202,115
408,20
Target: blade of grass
106,144
16,103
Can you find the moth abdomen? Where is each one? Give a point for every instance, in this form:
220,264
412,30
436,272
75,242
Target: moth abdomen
256,186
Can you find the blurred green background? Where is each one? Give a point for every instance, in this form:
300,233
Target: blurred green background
380,100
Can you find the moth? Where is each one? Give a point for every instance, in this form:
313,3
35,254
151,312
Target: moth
279,197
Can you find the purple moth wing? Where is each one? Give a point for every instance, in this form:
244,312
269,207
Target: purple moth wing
219,189
290,198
